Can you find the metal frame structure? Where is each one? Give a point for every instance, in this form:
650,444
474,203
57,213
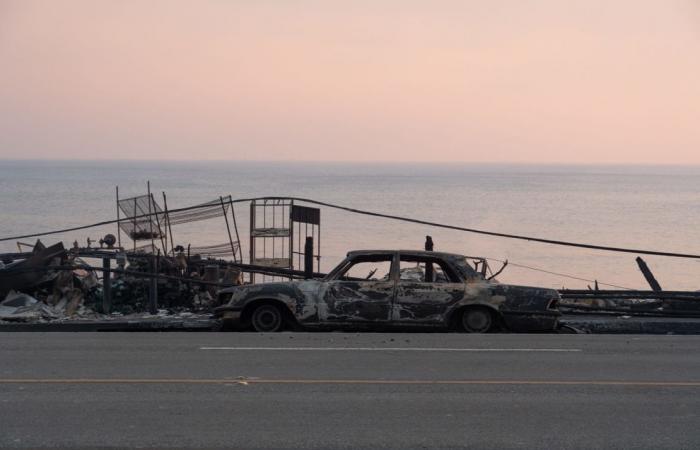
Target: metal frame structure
274,225
271,233
143,222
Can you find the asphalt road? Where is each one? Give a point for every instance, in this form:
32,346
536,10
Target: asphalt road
343,390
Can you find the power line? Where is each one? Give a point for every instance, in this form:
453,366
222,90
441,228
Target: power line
564,275
393,217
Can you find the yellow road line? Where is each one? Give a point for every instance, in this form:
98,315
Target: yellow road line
341,381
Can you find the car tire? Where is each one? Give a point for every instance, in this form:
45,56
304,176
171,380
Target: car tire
477,320
267,319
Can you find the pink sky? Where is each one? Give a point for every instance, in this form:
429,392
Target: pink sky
545,81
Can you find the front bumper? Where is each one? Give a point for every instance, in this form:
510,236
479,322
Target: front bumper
228,315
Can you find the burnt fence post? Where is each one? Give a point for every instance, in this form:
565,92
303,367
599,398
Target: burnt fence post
106,286
309,258
429,243
648,275
153,285
428,265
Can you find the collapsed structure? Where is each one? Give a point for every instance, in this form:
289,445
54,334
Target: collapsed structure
146,271
55,284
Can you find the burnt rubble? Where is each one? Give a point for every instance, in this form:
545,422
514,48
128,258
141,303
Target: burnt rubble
51,285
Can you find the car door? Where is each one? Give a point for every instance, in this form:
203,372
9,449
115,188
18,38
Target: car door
426,288
362,291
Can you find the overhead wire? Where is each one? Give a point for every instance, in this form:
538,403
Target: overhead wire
563,275
386,216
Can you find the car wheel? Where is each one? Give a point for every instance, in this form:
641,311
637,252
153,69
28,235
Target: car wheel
266,319
477,320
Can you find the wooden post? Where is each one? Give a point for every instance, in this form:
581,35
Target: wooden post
228,228
163,242
318,243
167,220
290,224
134,231
119,229
253,224
150,219
106,286
309,258
429,265
235,227
646,271
153,285
429,243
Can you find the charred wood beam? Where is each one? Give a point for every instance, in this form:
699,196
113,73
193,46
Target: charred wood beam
10,257
272,271
264,270
429,266
106,286
429,272
607,311
309,257
646,271
613,294
153,286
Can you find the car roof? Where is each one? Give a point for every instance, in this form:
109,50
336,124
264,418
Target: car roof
405,252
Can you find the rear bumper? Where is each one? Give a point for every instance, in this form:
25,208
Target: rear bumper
527,322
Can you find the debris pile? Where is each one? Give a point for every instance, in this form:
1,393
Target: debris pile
23,307
631,302
52,284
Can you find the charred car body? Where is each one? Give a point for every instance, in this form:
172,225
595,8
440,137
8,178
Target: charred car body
381,289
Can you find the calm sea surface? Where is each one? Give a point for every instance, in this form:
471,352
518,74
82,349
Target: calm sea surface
642,207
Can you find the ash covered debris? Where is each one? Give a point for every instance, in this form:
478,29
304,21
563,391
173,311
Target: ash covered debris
23,307
51,284
25,273
631,302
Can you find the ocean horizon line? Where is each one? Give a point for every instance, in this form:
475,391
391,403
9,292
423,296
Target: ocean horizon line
352,162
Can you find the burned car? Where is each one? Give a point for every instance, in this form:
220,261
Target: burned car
382,289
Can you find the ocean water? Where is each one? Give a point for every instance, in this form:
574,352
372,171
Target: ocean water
655,208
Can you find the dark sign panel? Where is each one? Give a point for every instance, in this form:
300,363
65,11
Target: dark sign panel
305,214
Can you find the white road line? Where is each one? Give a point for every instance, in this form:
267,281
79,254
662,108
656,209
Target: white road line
391,349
